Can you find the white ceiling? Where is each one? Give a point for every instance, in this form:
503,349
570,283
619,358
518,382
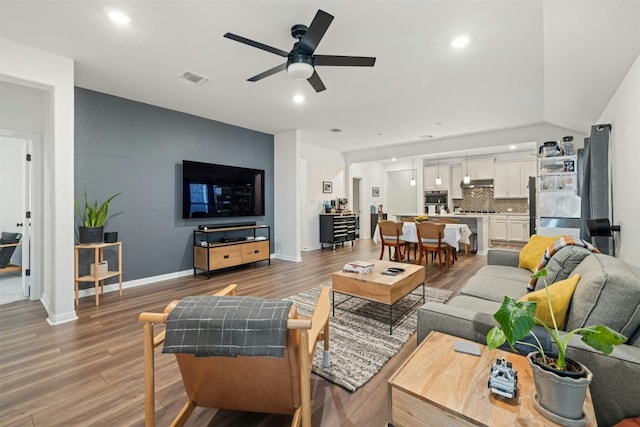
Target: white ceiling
529,61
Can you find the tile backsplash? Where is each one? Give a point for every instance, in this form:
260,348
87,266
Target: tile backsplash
481,199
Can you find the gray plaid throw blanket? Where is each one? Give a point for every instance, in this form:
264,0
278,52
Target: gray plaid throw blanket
227,326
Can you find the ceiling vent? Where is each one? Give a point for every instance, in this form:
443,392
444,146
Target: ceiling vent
196,78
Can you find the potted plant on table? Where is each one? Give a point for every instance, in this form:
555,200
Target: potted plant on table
92,218
561,383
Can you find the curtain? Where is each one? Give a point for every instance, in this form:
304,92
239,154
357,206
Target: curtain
595,184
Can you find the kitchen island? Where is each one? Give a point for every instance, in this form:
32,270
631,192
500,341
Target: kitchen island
478,223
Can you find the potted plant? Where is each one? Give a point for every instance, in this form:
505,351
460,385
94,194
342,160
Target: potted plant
92,218
561,383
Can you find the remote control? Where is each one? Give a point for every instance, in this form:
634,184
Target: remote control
467,347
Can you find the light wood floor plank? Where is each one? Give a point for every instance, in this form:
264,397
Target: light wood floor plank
89,372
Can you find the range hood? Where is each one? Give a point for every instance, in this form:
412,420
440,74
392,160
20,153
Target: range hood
477,183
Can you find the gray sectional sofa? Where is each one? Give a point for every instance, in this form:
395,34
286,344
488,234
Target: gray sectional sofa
608,293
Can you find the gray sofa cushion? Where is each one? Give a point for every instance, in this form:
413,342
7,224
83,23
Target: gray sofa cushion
562,264
608,293
493,288
520,275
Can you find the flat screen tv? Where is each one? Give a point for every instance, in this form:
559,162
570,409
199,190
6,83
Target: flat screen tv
213,191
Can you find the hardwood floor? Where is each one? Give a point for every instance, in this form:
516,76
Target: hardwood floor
89,372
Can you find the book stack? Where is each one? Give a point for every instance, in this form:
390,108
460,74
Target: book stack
361,267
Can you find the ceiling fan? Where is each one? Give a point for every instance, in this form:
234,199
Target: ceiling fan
301,61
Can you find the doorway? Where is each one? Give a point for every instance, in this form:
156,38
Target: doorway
356,188
15,192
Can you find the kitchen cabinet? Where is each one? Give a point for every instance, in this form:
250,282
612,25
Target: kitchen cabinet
480,168
456,179
499,227
511,179
510,228
430,175
528,169
518,229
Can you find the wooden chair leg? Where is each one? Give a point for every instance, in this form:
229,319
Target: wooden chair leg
184,414
381,251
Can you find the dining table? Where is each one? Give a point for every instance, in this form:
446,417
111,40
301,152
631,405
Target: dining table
454,234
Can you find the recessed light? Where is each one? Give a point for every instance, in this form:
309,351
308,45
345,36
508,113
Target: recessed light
437,124
393,159
460,41
512,147
298,99
119,17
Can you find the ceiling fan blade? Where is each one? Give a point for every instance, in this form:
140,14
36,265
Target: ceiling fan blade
316,82
269,72
315,32
344,61
259,45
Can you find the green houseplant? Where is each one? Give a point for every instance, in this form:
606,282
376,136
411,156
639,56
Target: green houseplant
92,218
561,383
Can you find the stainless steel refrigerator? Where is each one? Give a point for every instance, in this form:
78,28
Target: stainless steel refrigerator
558,201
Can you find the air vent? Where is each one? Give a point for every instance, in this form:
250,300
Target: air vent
196,78
336,130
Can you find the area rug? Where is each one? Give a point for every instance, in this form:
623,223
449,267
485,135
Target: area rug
359,338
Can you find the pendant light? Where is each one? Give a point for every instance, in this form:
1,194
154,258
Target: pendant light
413,175
438,179
466,178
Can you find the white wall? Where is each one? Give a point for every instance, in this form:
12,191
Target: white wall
623,113
287,196
30,67
322,165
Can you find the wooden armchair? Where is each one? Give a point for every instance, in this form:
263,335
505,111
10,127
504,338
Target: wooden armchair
430,241
254,384
390,232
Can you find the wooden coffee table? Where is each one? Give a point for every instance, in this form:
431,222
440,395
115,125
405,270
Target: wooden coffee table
437,386
378,287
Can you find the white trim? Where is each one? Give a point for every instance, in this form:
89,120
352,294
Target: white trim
138,282
288,258
56,319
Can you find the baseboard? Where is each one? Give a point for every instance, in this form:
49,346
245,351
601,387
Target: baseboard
287,258
138,282
56,319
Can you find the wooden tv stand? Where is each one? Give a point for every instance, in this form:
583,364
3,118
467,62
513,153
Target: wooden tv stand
218,248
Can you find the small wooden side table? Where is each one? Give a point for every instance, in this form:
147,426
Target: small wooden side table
96,278
437,386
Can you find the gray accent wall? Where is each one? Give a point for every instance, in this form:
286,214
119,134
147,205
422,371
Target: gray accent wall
137,149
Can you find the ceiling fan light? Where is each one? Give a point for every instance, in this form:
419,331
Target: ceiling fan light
300,70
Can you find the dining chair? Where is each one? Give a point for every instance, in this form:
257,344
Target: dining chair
454,252
390,232
430,236
279,385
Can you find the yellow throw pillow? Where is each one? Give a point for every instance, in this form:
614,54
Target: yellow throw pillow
561,293
532,252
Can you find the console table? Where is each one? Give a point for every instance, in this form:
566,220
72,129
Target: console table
223,247
97,278
438,386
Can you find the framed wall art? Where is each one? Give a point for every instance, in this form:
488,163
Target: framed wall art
375,191
327,187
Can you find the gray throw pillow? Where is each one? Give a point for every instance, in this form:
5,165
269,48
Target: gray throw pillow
562,264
